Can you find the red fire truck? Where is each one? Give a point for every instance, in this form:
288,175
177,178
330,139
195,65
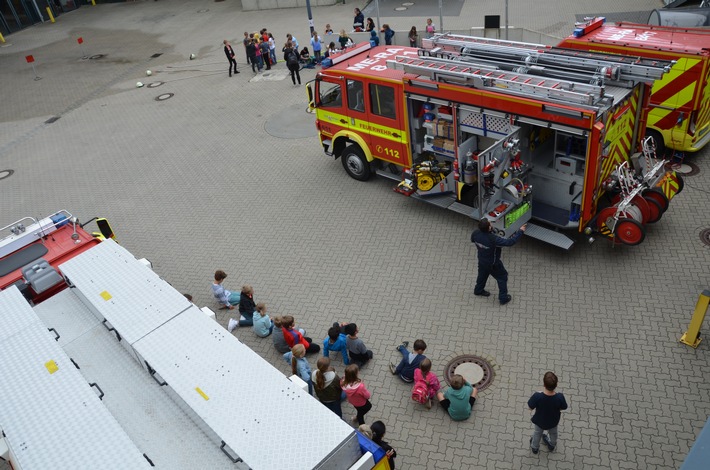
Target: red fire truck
503,130
680,101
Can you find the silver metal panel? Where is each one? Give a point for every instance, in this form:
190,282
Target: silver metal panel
191,352
149,416
55,420
15,313
549,236
67,315
133,299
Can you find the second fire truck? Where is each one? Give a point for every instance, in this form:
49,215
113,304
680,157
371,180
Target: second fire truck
503,130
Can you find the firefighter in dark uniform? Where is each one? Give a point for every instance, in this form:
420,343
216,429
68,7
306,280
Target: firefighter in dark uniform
489,262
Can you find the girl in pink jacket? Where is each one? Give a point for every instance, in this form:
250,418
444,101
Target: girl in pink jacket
358,395
425,379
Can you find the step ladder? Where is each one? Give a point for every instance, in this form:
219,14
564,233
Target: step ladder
500,81
609,67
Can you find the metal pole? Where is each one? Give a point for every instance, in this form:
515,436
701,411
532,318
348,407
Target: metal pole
441,19
310,17
506,20
377,7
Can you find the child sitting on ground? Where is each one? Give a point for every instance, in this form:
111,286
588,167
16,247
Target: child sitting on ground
299,365
426,384
263,326
359,354
294,337
226,298
336,341
410,361
458,400
247,306
278,337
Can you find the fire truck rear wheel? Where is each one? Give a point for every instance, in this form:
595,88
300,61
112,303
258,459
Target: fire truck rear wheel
629,232
658,141
355,163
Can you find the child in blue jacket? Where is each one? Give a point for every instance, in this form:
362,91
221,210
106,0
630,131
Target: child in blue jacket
336,341
410,360
299,365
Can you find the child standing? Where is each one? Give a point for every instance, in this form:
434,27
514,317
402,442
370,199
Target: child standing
410,361
359,354
413,36
430,28
378,432
548,405
459,398
337,342
389,34
263,326
327,386
247,306
299,365
426,384
358,395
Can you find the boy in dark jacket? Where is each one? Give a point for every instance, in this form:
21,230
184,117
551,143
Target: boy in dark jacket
359,353
410,360
547,405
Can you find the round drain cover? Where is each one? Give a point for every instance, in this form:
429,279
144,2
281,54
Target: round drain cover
6,174
164,96
400,8
704,235
684,168
476,370
97,56
204,10
155,84
408,4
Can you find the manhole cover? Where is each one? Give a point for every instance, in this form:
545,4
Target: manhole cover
400,8
156,55
204,10
155,84
97,56
684,168
476,370
6,174
408,4
164,96
52,119
704,235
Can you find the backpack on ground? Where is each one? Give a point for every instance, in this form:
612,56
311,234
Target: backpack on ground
420,392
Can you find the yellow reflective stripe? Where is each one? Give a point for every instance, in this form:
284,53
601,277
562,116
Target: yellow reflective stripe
362,126
669,186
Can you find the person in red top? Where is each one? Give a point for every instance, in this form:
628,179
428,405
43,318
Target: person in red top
293,337
358,395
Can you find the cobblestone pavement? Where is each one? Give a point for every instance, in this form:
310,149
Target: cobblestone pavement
196,183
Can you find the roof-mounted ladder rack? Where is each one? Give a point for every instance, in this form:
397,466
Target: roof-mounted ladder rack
607,66
483,77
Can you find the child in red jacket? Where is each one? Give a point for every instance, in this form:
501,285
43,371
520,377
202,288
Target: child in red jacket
358,395
294,337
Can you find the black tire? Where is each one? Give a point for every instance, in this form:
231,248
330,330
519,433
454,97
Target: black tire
355,163
681,183
658,141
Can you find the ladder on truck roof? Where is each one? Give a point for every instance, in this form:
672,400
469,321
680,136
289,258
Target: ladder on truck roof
485,77
595,65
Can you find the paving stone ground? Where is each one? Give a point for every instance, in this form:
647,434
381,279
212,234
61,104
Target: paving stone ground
196,183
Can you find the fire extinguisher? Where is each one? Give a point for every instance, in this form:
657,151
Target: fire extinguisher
456,169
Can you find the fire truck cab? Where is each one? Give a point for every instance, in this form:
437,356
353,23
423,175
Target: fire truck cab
680,101
503,130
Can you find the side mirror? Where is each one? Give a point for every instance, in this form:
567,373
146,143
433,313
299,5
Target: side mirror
311,97
105,228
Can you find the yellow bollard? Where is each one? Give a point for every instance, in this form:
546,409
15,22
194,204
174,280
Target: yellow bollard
2,39
51,16
691,337
93,2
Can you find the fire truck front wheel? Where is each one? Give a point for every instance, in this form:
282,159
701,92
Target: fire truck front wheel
355,163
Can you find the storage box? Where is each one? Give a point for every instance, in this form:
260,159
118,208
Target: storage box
445,146
444,129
